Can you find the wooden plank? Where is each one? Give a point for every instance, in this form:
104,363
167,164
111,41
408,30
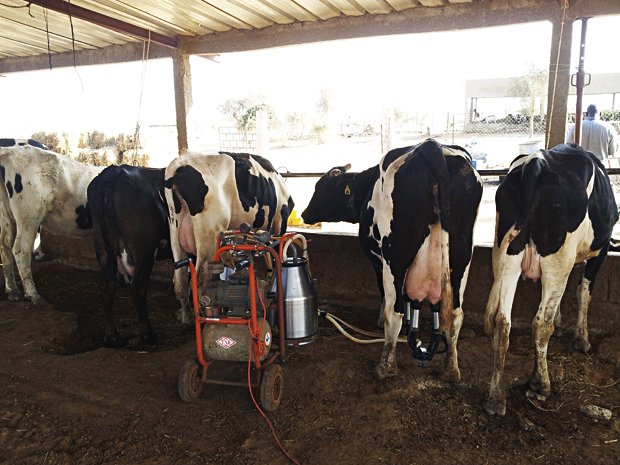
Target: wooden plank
431,3
292,8
400,5
322,9
349,8
106,21
376,7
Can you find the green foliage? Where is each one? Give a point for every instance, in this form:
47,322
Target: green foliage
51,140
296,125
324,102
243,111
319,130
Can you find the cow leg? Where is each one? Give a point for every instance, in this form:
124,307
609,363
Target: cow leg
451,370
557,322
584,296
393,321
147,334
141,284
498,323
22,251
111,337
554,279
7,238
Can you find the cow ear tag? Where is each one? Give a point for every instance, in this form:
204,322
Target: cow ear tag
347,190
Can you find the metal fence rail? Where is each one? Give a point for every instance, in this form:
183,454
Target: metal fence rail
483,173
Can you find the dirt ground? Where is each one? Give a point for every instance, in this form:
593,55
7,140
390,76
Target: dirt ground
65,399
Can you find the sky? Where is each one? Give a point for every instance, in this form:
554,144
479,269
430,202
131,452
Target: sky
415,73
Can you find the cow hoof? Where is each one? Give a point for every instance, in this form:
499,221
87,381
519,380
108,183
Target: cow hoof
450,375
36,299
14,295
382,371
184,317
149,339
114,341
41,257
495,407
581,345
535,395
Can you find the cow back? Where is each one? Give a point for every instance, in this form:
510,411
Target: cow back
239,188
42,185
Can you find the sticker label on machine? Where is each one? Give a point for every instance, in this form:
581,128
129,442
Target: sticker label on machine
225,342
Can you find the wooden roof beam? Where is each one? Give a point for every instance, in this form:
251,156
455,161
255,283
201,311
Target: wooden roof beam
107,22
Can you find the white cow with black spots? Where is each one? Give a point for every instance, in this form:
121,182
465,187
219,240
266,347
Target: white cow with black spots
416,210
39,188
555,209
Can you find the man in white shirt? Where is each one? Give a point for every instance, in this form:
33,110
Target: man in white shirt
597,136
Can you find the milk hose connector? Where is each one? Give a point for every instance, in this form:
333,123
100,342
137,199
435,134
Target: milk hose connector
412,318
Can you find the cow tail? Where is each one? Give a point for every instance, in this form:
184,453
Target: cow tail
432,153
529,179
102,208
6,213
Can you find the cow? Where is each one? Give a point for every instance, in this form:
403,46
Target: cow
416,211
39,188
130,226
39,254
4,142
210,193
555,208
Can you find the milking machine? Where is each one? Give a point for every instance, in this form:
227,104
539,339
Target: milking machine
259,299
412,322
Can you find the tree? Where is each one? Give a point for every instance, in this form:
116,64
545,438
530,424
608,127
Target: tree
323,107
243,111
532,88
49,139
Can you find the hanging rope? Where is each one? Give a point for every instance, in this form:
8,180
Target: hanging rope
136,136
47,34
73,46
555,75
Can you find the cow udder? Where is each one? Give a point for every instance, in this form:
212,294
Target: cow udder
186,231
423,281
530,264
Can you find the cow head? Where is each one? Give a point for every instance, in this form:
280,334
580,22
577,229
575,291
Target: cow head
333,198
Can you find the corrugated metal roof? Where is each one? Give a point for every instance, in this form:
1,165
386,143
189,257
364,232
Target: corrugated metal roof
27,30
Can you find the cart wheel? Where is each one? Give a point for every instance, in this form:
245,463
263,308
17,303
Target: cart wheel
190,381
272,387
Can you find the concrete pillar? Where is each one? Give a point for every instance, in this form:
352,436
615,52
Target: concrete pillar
262,133
559,81
387,130
182,95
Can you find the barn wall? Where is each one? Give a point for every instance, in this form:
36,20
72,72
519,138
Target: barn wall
345,277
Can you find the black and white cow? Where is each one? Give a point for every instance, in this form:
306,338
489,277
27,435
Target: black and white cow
416,212
4,142
555,208
207,194
131,231
39,188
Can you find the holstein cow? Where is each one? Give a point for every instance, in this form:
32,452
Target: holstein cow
416,212
555,208
21,142
131,231
207,194
40,188
39,254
